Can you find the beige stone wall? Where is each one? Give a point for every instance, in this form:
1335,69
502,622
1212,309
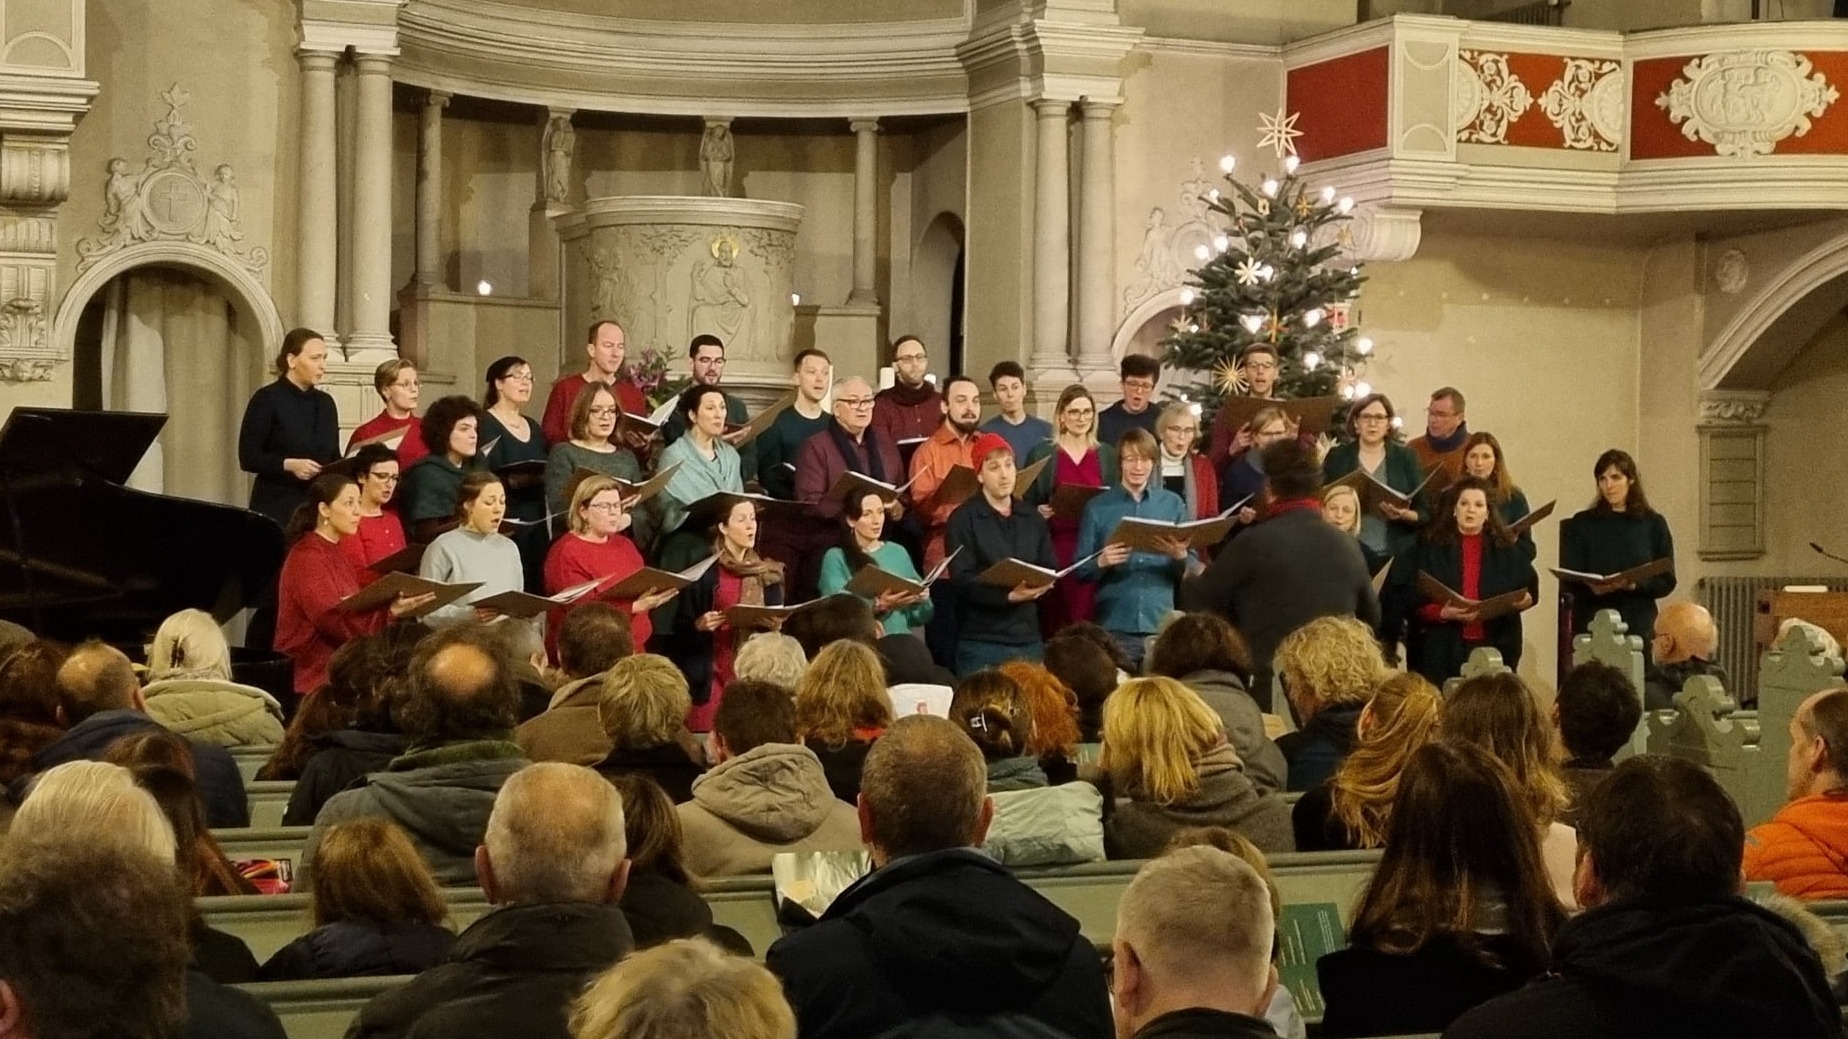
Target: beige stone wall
1000,235
1804,499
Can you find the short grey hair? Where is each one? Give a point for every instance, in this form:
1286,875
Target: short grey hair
771,656
841,385
1197,910
97,801
555,835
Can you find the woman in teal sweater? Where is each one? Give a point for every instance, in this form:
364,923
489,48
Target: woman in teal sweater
1390,530
898,613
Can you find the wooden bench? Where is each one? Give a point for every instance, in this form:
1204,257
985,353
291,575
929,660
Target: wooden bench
321,1009
269,799
249,760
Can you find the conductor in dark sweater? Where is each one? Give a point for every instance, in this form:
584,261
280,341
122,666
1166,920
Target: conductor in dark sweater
290,429
1289,569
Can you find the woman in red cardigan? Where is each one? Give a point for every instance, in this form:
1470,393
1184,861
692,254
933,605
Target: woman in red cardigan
317,576
381,532
594,547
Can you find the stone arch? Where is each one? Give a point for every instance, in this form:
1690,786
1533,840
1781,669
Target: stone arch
935,263
1146,311
246,292
1807,291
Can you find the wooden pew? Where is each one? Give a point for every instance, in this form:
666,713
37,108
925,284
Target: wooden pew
1483,660
320,1009
268,801
249,760
1796,666
1610,641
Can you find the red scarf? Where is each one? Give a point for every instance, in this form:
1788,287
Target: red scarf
1278,508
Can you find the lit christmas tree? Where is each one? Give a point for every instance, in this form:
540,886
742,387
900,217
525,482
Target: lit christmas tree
1277,276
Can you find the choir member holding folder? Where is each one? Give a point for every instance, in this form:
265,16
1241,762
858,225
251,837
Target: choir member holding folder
452,428
997,623
317,578
381,532
513,447
290,429
1184,470
1390,527
398,387
849,443
1470,581
702,640
1081,468
594,548
706,464
1619,532
1135,588
592,421
1243,477
898,611
474,552
1482,459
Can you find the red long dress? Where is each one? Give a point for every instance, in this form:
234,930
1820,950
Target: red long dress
1071,601
724,651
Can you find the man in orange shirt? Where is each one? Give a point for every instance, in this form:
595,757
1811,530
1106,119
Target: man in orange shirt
1804,848
605,346
947,448
1446,433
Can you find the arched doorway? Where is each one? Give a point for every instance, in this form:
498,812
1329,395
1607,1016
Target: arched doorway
937,289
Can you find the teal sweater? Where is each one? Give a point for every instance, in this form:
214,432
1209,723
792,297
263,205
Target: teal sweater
889,557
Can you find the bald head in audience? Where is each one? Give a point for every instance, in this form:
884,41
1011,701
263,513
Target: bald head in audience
1685,631
462,688
96,677
555,835
924,788
1818,759
1194,930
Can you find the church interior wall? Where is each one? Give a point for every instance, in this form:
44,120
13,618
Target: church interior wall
1806,438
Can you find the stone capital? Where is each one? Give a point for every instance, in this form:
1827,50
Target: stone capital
865,125
437,99
1733,407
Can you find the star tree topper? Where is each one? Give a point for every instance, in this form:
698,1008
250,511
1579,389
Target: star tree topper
1279,132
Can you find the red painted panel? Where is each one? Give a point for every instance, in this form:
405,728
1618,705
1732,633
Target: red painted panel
1342,102
1536,72
1654,136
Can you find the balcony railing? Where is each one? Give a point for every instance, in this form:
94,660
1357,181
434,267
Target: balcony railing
1539,12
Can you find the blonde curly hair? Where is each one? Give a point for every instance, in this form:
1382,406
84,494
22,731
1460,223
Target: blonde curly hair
1402,717
1330,662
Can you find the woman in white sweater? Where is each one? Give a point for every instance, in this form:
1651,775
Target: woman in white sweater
474,551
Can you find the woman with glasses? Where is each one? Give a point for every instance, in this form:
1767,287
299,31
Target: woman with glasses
593,422
1078,460
381,532
511,444
1390,529
1181,467
594,548
1243,477
398,387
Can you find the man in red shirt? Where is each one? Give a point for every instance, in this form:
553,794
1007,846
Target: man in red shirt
605,346
911,408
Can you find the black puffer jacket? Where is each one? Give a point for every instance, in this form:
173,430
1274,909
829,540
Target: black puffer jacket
340,759
358,949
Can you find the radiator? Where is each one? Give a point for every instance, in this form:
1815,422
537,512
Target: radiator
1733,601
1539,12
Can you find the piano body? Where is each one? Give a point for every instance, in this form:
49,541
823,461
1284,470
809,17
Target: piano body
82,555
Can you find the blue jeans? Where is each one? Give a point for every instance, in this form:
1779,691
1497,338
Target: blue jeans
972,655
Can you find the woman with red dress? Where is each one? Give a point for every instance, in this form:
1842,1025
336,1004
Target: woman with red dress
595,548
381,532
1081,461
316,577
703,642
398,386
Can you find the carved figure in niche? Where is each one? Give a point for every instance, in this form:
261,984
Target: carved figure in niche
125,219
605,285
560,142
721,296
221,212
716,152
1156,267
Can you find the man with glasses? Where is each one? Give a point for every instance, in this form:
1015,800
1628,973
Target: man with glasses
850,443
1446,433
910,410
1258,366
706,353
1139,375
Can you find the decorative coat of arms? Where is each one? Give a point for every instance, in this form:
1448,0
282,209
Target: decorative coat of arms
1745,102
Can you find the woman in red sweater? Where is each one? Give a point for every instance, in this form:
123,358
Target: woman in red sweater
595,548
398,386
1470,552
381,532
317,576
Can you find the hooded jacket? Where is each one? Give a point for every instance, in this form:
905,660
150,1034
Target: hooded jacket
441,796
1314,752
359,949
1646,967
1139,829
340,759
1046,825
770,799
221,786
1244,722
212,711
511,975
1804,848
942,932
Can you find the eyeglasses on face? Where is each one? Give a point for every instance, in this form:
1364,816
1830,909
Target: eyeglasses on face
602,411
521,376
908,358
603,506
1371,417
855,402
1138,384
1262,366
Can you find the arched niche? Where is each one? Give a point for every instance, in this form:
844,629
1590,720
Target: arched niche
245,291
1785,313
937,291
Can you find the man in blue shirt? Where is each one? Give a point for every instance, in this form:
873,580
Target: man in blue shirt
1135,589
1023,432
1136,410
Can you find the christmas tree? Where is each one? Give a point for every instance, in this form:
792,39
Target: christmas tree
1275,275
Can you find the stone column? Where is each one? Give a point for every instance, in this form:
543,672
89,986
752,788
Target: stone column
317,220
557,150
370,306
1096,235
429,270
865,213
1052,244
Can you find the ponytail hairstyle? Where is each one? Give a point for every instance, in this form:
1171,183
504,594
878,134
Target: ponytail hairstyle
291,345
855,556
324,489
472,485
497,371
991,710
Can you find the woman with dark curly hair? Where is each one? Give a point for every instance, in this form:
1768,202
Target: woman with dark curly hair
428,489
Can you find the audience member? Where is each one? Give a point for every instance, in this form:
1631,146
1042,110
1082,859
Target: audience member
94,798
1034,824
764,794
190,690
382,657
938,932
1055,736
1458,910
1330,668
523,646
366,675
552,860
28,706
458,716
661,901
591,639
991,709
1681,647
1166,755
162,765
1352,809
1803,849
1819,934
1596,712
1191,955
838,617
1498,713
771,656
643,714
1282,1014
685,988
1089,672
1205,654
100,701
841,709
375,909
1666,946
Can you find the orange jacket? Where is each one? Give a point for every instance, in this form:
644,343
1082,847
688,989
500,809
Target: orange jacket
930,466
1804,848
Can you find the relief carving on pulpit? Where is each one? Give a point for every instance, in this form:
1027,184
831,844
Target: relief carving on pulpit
1170,244
1745,102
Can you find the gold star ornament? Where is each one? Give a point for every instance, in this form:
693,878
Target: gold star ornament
1231,379
1278,132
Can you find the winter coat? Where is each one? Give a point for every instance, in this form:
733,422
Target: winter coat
511,975
221,786
842,765
770,799
1804,848
661,910
944,932
668,764
1015,774
360,949
569,730
1201,1023
1317,826
1047,826
1371,992
211,711
1139,829
340,759
441,796
215,1011
1244,723
1641,968
1316,750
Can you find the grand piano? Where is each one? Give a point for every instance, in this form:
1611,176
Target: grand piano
82,555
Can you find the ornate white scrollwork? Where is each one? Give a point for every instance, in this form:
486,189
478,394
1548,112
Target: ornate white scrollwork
1733,407
1169,241
1745,102
1586,104
1490,97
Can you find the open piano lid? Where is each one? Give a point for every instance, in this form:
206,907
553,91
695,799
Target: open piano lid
82,555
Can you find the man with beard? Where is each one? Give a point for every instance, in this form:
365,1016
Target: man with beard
950,446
